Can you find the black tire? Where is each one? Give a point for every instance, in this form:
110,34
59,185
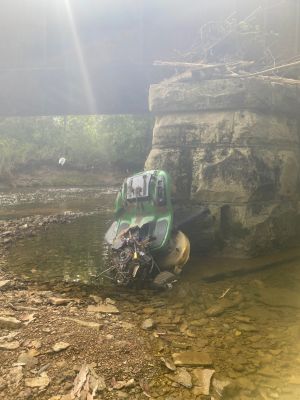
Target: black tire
164,280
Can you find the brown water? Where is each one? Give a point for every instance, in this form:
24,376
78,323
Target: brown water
254,340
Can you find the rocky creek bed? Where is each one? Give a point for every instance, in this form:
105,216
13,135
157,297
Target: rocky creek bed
235,338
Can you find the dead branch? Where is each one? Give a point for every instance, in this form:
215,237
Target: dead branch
277,68
202,66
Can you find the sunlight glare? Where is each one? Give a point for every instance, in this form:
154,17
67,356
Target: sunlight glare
81,61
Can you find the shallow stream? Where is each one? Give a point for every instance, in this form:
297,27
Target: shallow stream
72,251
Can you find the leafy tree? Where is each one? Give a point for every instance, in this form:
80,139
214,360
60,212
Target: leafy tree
109,142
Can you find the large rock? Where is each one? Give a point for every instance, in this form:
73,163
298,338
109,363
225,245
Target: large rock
226,94
228,156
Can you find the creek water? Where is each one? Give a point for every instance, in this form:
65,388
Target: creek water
246,316
72,252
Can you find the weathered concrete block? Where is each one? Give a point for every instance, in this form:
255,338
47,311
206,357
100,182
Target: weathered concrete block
253,93
176,162
244,174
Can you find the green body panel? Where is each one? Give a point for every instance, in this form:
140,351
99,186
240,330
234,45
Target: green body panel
145,201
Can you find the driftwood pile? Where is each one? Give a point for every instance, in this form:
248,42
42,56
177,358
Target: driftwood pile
221,51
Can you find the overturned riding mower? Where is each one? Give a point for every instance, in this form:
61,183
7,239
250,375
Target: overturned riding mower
146,248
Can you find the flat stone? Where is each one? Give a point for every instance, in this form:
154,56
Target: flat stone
183,377
27,359
9,337
222,305
4,283
59,346
10,345
41,381
87,324
192,358
202,379
59,301
9,323
103,308
148,324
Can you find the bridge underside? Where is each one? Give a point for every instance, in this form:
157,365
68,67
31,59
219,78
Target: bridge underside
111,89
87,56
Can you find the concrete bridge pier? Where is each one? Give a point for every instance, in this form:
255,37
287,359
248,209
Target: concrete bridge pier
233,145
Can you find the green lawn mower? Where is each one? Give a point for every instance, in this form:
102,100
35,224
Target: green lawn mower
145,246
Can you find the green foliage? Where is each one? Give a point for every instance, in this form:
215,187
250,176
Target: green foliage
109,142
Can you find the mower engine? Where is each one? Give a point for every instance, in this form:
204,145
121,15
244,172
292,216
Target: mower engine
132,259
